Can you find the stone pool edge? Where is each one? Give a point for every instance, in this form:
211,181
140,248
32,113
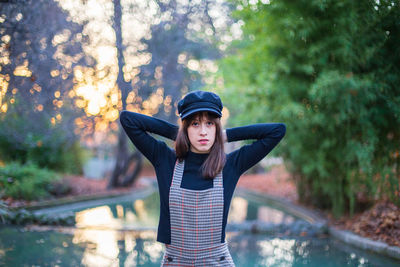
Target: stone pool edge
365,243
44,204
316,218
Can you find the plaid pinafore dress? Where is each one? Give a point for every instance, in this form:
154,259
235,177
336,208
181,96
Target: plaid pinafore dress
196,225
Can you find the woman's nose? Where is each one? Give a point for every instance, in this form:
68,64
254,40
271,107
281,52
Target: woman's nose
203,129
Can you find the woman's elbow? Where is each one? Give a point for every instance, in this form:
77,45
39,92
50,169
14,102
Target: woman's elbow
123,117
282,129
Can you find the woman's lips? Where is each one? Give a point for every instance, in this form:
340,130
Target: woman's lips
203,141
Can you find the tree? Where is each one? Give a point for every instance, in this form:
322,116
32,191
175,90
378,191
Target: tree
159,84
329,70
172,45
37,115
124,158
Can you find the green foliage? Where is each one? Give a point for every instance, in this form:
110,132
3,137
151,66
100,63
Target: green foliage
3,211
38,122
329,70
27,181
56,151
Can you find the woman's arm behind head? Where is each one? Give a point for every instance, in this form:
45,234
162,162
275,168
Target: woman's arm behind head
138,125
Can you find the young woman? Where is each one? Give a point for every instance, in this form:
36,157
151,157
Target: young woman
196,181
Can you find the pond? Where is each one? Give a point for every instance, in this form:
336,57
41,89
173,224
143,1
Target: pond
122,232
142,213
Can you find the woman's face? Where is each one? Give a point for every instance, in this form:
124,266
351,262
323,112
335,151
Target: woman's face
201,133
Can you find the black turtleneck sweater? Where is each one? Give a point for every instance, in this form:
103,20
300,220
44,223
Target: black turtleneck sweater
137,126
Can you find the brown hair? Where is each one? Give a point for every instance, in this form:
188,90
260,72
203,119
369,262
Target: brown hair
216,158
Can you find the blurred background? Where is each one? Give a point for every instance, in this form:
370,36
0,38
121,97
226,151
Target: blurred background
328,69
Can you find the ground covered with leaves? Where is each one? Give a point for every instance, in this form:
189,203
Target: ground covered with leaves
381,223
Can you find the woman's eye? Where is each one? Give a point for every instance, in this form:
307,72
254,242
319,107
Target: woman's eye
210,123
195,123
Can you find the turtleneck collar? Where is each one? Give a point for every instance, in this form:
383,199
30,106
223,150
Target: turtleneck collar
198,157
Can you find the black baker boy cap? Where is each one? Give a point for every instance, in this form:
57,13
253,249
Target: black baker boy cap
199,101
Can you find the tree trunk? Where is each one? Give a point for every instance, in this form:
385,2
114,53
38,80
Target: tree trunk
123,159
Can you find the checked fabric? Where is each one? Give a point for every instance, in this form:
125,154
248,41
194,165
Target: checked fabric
196,224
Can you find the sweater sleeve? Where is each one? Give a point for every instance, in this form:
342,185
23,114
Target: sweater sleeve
137,126
267,136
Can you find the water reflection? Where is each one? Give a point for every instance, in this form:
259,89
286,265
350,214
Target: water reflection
118,248
143,213
244,210
238,210
275,251
106,246
97,216
89,247
268,214
102,247
262,250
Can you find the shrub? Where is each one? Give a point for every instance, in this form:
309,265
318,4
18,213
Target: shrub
26,181
327,69
56,152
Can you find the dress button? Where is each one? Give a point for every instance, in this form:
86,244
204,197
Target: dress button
222,258
169,259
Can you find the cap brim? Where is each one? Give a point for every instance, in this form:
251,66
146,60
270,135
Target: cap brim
192,111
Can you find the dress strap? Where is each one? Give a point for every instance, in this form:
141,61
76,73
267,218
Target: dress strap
217,181
178,173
